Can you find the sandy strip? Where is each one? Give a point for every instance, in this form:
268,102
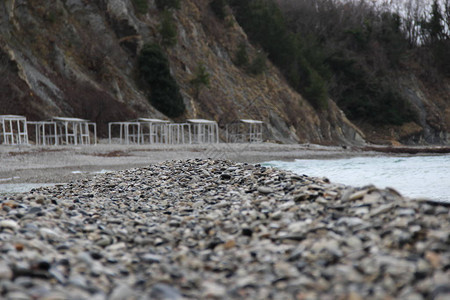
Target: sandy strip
33,164
61,164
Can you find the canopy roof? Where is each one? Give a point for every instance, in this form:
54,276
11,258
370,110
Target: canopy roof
66,119
150,120
201,121
248,121
12,117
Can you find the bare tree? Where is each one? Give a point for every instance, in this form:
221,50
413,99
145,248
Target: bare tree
447,18
412,12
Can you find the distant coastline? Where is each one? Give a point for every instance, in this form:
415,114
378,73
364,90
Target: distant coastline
409,149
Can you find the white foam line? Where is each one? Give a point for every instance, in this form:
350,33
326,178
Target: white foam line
10,178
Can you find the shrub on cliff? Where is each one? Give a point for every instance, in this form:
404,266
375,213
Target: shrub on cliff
167,4
241,57
141,6
154,75
168,29
202,78
258,64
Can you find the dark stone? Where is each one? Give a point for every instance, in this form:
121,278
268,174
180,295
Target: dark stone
225,176
43,265
247,231
96,255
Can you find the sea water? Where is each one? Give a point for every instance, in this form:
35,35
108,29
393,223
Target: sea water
413,176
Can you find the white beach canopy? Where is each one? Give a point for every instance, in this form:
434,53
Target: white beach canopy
13,130
154,131
204,131
245,131
74,131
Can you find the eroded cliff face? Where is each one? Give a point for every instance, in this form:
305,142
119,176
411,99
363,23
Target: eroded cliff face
78,58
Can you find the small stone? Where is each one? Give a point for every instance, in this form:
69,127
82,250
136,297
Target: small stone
225,176
78,281
381,209
354,296
10,204
357,195
151,258
122,292
11,224
104,241
34,210
276,215
346,194
406,212
441,292
247,231
265,190
229,244
40,199
353,242
48,233
16,295
433,258
116,247
213,290
162,291
298,226
5,271
350,221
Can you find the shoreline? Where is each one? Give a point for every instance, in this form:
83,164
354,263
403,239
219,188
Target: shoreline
61,164
215,229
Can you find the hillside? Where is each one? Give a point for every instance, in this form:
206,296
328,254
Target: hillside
80,59
385,63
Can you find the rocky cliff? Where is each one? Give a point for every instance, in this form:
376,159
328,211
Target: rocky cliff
78,58
429,96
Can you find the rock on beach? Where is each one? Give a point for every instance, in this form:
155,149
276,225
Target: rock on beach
208,229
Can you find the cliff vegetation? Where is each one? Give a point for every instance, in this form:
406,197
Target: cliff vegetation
301,68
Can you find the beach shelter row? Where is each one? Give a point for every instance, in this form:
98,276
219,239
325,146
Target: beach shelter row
16,130
194,131
156,131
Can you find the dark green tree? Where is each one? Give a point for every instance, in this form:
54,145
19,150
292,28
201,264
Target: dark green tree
266,26
155,77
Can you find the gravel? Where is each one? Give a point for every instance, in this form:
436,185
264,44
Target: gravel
215,229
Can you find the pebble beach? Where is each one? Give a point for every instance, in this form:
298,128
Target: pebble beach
216,229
